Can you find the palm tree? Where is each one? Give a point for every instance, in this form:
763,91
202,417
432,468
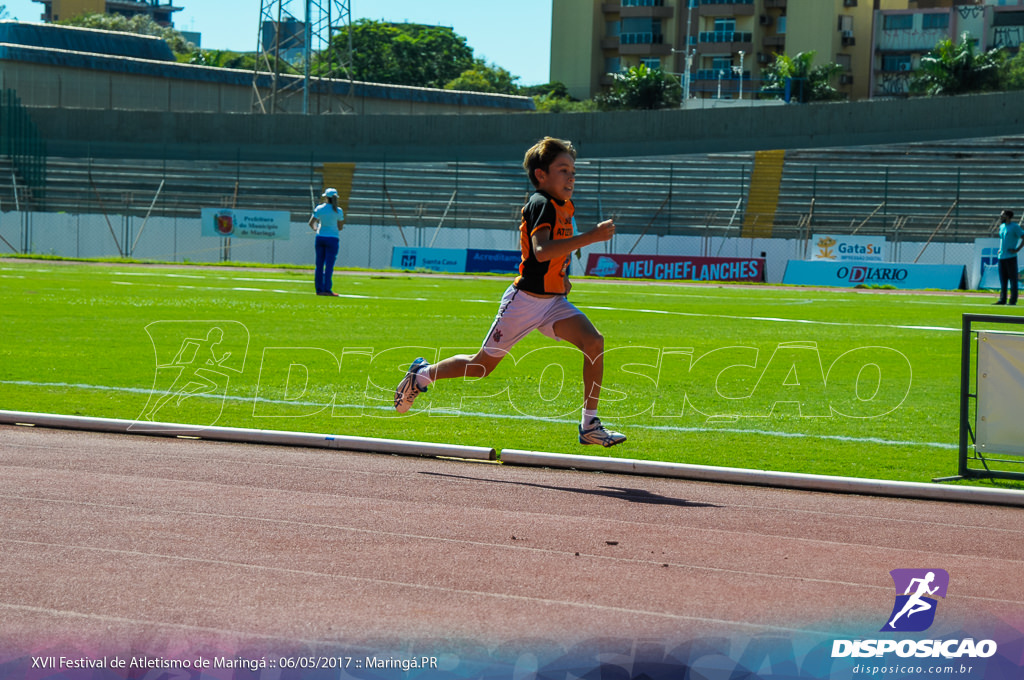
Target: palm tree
807,82
954,68
642,87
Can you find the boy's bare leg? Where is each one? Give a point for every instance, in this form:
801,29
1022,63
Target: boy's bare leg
581,332
417,378
477,365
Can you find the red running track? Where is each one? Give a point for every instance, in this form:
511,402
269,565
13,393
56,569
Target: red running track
117,544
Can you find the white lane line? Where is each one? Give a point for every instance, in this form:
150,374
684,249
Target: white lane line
159,557
620,310
640,310
812,322
709,428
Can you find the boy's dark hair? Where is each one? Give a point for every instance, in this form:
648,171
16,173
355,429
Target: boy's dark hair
542,154
1007,214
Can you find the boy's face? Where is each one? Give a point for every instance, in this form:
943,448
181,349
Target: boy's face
560,177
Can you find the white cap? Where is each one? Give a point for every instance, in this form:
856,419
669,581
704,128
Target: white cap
330,193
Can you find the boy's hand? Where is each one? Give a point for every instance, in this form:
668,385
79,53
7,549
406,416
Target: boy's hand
605,230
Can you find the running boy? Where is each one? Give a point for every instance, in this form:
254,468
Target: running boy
537,297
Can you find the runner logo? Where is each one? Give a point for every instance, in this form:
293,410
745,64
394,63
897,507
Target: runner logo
195,361
913,612
916,592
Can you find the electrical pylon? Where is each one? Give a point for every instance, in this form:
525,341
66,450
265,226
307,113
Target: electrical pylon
303,57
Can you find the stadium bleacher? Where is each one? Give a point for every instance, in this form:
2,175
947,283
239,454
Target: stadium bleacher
901,191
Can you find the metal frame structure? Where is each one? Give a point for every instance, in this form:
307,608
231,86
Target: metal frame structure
969,394
321,20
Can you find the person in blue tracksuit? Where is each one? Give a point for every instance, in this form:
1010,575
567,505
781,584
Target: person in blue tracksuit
1011,238
327,221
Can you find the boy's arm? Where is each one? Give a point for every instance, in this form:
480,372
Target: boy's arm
545,249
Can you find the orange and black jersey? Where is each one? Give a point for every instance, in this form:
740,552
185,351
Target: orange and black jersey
544,212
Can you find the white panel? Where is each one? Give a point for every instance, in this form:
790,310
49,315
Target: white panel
1000,424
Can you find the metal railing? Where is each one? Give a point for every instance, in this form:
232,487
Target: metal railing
21,142
725,37
643,38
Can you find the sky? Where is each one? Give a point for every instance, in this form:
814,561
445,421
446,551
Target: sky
513,35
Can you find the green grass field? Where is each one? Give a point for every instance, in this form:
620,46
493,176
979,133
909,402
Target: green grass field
850,383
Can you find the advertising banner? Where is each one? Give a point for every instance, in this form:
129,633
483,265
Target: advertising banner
259,224
434,259
456,260
840,248
676,267
897,275
493,261
985,275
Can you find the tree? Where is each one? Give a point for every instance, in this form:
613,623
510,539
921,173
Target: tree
400,54
554,104
642,88
806,82
553,89
554,97
471,81
184,51
141,24
954,68
484,77
1012,73
224,59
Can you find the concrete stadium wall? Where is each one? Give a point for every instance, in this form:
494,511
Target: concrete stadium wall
186,88
293,137
76,89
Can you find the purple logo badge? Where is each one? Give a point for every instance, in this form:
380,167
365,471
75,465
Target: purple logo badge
916,593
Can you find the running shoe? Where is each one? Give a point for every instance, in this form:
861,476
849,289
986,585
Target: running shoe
596,433
408,389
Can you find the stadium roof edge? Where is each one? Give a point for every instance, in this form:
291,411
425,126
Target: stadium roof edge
92,40
110,51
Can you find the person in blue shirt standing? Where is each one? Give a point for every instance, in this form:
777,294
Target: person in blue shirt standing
1011,238
327,221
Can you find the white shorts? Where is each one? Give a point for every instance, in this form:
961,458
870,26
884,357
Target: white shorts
521,313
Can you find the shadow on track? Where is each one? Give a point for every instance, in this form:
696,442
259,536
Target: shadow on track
621,493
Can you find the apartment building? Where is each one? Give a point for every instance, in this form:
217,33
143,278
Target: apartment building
161,12
719,48
903,36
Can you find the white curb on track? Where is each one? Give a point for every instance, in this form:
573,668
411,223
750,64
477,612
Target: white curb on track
238,434
803,482
706,473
